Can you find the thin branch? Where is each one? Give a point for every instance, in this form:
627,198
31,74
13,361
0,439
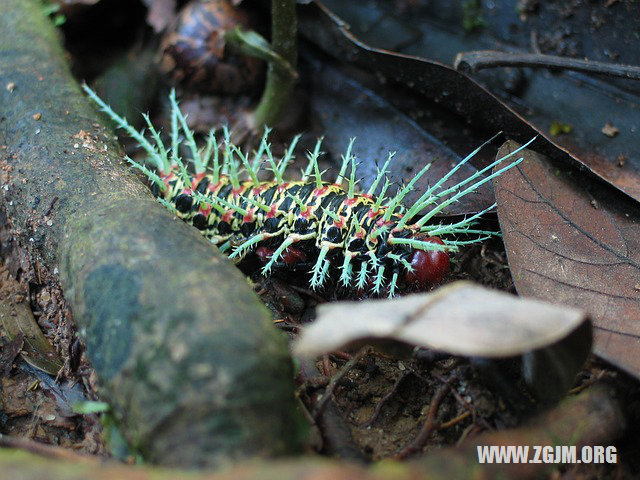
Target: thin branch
477,60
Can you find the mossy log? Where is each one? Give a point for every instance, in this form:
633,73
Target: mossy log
185,351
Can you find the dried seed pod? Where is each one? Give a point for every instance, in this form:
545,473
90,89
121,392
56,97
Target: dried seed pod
195,53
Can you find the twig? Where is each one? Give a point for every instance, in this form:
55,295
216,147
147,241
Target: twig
42,449
462,401
429,425
326,365
453,421
335,434
596,378
477,60
386,398
342,355
337,377
469,432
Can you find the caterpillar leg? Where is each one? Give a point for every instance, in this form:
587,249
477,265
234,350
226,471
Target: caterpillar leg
277,253
320,269
347,269
362,275
287,242
378,280
393,284
242,249
225,246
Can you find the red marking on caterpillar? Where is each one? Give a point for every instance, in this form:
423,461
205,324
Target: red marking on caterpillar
291,256
340,223
319,192
226,217
205,210
306,214
373,213
272,211
197,178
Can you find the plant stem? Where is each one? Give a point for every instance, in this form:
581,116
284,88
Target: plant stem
279,87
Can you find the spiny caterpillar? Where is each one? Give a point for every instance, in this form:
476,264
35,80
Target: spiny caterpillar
374,241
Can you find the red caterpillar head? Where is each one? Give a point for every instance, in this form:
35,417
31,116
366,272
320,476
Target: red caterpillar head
429,266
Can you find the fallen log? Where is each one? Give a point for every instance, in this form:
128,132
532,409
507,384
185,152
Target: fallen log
591,418
184,350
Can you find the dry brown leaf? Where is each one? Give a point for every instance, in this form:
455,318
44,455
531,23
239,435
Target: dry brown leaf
564,250
460,318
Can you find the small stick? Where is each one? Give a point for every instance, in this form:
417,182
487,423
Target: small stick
383,401
326,365
453,421
336,378
429,425
38,448
594,379
342,355
470,408
477,60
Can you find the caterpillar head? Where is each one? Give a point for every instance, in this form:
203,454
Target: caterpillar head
428,261
429,266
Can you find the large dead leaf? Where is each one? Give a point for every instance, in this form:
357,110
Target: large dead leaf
460,318
575,241
612,159
345,109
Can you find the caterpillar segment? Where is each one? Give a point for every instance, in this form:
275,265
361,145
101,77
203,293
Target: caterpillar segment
375,242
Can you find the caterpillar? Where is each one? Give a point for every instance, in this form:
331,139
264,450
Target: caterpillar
373,240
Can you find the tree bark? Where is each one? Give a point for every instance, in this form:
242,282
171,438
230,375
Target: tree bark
184,350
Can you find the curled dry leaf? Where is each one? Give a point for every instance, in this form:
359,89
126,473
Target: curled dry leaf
460,318
17,320
575,241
